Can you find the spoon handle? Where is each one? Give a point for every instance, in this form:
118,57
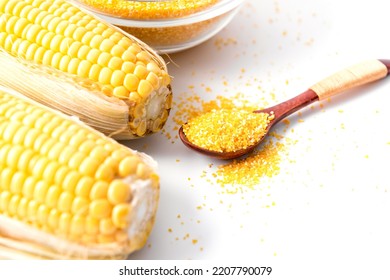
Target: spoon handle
356,75
348,78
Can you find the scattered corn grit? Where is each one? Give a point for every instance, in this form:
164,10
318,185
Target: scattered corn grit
244,174
66,58
249,171
68,191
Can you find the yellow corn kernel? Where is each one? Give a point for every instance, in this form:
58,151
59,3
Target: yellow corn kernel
107,33
96,41
107,227
153,67
40,167
131,82
5,197
128,67
52,196
46,40
65,201
83,52
20,25
73,65
43,214
141,71
76,160
91,225
141,129
121,92
56,151
22,50
145,88
93,56
89,166
116,50
13,156
94,72
30,53
40,37
143,56
56,42
79,33
121,215
66,154
13,205
154,80
19,6
6,178
84,68
10,131
77,225
73,49
50,171
64,223
100,208
64,63
56,60
105,75
26,11
84,187
80,206
105,172
22,208
115,63
51,126
106,45
47,146
59,130
99,190
98,153
70,181
117,78
104,59
128,55
29,187
87,146
41,189
118,192
17,182
61,27
24,159
32,209
53,218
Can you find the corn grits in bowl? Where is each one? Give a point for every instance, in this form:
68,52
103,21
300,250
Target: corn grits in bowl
167,26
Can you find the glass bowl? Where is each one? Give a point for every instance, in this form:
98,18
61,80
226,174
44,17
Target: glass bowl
167,26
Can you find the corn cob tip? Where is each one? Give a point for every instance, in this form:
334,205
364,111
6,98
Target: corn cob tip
66,190
88,60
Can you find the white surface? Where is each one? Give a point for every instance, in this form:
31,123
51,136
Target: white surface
332,204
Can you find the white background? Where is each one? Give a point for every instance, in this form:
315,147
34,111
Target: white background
331,209
326,214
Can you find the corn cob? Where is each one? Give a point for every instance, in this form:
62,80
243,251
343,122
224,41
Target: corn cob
65,58
67,190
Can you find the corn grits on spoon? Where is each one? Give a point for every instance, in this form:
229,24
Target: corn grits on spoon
357,75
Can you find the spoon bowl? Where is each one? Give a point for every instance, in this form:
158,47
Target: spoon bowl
356,75
215,154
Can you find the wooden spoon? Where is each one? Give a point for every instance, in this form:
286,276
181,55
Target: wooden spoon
357,75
